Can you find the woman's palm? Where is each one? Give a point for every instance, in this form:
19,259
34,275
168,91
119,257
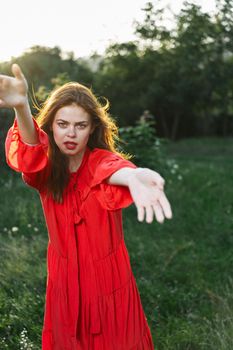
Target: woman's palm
13,90
146,188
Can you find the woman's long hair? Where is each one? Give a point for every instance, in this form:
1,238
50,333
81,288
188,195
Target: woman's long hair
104,136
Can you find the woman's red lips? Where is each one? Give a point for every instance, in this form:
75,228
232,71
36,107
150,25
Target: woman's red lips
70,145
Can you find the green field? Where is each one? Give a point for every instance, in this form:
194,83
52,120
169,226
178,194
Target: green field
183,268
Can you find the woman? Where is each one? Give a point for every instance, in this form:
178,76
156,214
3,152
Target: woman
69,156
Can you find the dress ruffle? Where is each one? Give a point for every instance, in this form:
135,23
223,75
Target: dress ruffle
102,165
113,271
146,342
117,310
26,158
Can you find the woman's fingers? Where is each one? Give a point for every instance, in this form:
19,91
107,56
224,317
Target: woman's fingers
158,212
149,212
164,203
2,82
158,207
141,213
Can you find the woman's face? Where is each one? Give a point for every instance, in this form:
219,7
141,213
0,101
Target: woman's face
71,129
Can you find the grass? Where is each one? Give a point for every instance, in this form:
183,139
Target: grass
22,265
183,268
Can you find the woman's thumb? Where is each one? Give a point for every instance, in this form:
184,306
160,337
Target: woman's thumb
17,71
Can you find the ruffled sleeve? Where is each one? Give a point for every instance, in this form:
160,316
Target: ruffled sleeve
30,160
102,164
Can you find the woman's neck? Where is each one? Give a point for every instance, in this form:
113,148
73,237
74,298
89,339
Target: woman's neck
75,161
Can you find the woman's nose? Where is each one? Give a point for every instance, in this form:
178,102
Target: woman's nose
71,131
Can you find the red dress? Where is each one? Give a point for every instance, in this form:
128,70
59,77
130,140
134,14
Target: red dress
92,301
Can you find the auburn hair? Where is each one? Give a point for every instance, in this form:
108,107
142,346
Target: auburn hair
104,136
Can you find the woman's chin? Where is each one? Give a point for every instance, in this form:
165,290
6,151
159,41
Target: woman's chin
72,153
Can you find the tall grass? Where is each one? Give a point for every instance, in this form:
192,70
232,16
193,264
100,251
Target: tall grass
220,327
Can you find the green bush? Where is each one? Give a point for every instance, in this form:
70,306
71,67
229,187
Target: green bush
142,143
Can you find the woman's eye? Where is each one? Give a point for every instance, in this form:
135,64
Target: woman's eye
62,125
79,126
82,126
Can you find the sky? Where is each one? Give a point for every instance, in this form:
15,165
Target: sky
83,27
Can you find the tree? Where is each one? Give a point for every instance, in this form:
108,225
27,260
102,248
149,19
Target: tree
120,79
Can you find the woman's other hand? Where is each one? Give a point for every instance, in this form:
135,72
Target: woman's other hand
13,90
147,190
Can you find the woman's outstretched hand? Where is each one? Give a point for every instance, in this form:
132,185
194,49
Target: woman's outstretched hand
13,94
13,90
146,188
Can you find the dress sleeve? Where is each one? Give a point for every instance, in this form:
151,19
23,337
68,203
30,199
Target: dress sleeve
103,164
30,160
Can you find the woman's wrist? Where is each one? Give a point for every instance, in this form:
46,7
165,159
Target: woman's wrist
22,106
26,126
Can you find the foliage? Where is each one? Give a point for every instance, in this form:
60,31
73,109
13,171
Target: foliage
43,92
142,143
117,81
146,148
182,74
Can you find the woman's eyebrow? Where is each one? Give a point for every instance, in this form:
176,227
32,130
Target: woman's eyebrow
65,121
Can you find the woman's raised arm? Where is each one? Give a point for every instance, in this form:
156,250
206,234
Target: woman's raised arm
13,94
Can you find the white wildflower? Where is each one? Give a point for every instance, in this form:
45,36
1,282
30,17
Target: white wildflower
25,343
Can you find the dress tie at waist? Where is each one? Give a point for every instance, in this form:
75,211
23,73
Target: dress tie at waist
77,218
74,289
